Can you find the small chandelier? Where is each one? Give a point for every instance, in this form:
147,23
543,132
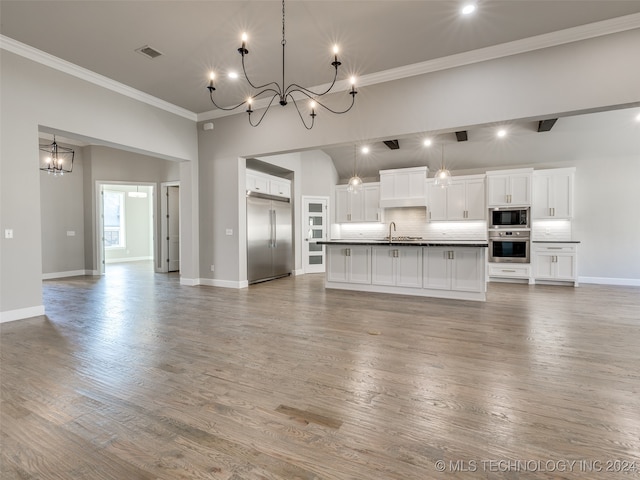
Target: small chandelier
58,160
442,176
355,182
279,91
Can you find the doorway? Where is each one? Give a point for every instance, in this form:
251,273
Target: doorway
126,225
314,228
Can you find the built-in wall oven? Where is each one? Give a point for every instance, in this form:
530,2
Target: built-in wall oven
509,246
509,218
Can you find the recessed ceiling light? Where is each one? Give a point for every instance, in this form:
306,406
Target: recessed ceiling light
468,9
427,142
365,150
233,75
502,133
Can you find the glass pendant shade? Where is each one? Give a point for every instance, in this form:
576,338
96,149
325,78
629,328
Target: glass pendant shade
443,178
355,184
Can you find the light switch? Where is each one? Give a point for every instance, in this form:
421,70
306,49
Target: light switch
8,233
229,231
71,233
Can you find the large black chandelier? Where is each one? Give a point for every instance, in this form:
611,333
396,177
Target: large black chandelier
284,94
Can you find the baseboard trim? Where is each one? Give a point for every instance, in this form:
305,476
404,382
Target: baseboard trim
21,313
70,273
189,282
212,282
298,272
626,282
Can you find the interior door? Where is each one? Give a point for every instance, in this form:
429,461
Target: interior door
314,228
173,228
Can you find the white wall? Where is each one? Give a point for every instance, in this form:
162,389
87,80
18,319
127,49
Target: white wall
33,97
62,207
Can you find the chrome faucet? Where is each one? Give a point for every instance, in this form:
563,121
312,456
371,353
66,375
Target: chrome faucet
392,224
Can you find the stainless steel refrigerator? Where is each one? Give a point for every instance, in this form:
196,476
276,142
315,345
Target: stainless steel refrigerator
269,237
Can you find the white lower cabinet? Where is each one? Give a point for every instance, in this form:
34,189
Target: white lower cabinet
510,270
455,269
555,262
397,266
349,264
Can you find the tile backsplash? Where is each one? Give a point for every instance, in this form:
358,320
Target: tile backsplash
411,222
549,230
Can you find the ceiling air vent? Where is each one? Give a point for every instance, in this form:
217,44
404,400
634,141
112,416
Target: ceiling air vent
392,144
148,52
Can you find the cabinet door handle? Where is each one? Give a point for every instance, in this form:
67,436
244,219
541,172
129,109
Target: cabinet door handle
509,271
349,216
395,254
347,252
553,211
377,215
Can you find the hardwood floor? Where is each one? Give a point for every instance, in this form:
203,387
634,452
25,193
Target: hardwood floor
132,376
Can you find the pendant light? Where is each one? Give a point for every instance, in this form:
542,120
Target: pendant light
137,193
355,182
443,176
58,160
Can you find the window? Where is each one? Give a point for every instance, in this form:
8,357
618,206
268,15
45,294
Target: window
113,219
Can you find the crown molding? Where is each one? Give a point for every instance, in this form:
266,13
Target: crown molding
538,42
26,51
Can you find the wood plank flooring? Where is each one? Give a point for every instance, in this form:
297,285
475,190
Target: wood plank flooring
132,376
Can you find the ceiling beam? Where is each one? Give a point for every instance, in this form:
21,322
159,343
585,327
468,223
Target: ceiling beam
462,136
546,125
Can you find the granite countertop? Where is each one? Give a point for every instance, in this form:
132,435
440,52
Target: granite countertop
555,241
409,243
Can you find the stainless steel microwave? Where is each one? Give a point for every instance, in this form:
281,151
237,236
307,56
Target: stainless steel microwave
510,218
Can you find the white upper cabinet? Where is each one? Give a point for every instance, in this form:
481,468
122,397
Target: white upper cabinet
462,200
553,193
269,184
509,187
403,187
280,187
358,207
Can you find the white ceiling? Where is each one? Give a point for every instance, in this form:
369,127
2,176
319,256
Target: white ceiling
374,36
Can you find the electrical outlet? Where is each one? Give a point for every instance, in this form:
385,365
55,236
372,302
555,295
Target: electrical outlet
71,233
228,231
212,268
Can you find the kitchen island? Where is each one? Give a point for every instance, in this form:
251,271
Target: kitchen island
451,269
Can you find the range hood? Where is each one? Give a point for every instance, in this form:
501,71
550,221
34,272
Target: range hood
403,187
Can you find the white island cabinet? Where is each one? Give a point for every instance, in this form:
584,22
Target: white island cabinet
451,270
349,264
454,269
397,266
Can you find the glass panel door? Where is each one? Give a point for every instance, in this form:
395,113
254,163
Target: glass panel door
314,228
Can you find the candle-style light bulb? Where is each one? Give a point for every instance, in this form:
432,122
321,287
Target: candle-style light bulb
243,49
212,77
249,102
335,62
